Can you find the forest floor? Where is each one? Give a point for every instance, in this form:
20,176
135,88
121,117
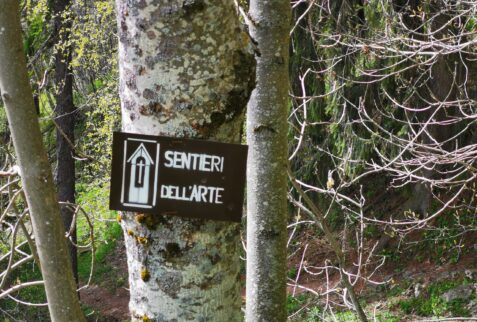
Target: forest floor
107,299
417,283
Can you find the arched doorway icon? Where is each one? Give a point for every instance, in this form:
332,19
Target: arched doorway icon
140,163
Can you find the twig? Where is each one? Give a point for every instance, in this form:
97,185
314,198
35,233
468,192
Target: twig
10,173
18,287
319,217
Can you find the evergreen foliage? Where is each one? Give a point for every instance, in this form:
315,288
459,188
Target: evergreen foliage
382,118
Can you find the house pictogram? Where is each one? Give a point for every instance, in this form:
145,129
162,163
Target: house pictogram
141,166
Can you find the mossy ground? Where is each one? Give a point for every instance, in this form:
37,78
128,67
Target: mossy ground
394,303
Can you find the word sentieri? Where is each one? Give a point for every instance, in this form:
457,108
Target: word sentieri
193,162
175,176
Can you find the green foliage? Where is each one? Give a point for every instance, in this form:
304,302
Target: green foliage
347,316
33,294
3,120
444,239
314,314
94,199
292,273
294,303
106,243
94,47
392,255
36,25
395,290
471,24
95,57
387,317
100,123
371,231
433,305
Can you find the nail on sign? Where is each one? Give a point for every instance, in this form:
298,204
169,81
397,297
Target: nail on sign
174,176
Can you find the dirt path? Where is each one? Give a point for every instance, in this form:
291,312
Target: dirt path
108,302
108,306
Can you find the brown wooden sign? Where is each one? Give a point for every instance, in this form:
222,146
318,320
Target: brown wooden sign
175,176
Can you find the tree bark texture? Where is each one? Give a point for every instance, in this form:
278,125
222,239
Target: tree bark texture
65,121
267,164
35,170
185,71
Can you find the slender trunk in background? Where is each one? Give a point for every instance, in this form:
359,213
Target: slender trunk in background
184,72
35,170
445,80
65,120
267,164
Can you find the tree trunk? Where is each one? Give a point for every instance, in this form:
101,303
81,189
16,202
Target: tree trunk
35,170
267,164
184,72
443,85
65,121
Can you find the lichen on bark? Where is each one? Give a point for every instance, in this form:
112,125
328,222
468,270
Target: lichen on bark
185,71
184,64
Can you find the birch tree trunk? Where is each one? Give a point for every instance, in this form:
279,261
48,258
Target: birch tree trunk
267,164
184,72
35,170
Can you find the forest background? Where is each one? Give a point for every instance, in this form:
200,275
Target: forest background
382,141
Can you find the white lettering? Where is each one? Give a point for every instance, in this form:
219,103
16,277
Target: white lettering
216,163
218,196
165,192
203,193
195,196
195,157
206,163
195,193
194,161
177,160
186,160
168,156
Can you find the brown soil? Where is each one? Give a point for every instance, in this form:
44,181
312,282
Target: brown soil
108,306
404,270
109,303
